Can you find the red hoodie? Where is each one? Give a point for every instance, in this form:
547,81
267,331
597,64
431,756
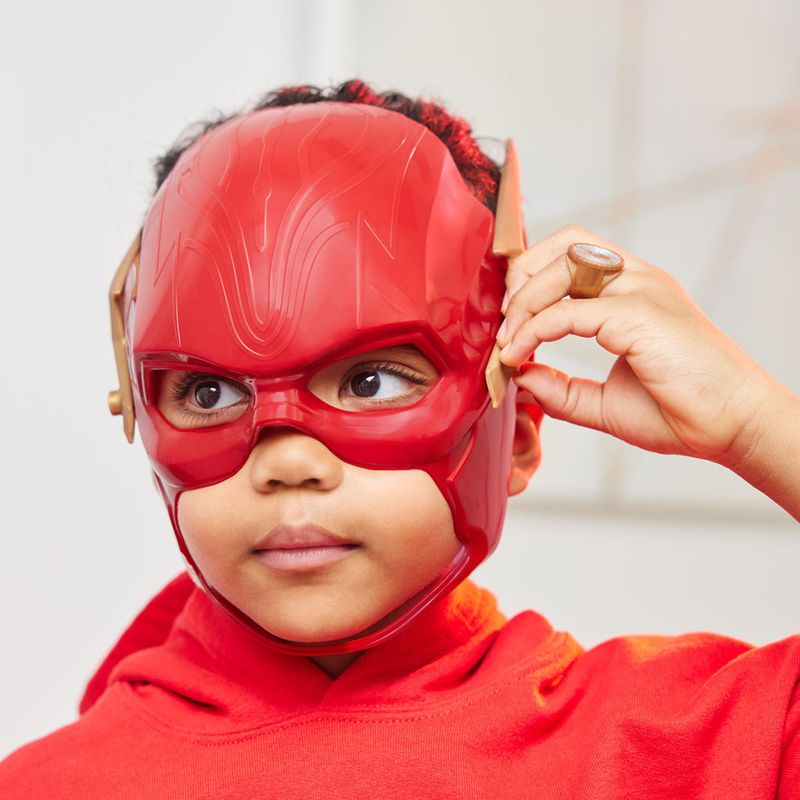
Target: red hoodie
462,703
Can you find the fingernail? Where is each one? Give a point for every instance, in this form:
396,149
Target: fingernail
507,349
503,328
505,302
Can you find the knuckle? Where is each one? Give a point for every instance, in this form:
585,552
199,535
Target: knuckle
519,264
515,303
658,280
515,266
559,314
639,314
572,399
516,277
515,263
527,330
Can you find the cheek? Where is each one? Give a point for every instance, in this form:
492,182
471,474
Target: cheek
423,531
202,519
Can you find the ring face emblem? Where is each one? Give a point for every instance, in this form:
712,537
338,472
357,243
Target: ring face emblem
591,268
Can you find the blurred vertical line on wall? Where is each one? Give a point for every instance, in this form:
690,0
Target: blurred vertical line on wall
628,110
627,116
330,35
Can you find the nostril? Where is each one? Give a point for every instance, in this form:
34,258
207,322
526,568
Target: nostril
275,482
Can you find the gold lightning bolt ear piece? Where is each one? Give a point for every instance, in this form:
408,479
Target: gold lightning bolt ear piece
120,401
509,241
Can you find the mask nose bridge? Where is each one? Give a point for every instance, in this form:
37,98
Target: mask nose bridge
279,403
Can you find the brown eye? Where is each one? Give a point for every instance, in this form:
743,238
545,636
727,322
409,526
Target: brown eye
365,384
200,399
207,394
213,393
381,383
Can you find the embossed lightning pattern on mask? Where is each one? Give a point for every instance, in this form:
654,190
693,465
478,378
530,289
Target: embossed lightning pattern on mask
261,261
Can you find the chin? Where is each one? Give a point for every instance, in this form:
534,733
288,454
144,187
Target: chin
310,627
307,634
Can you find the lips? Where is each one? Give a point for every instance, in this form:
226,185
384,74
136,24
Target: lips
302,548
296,537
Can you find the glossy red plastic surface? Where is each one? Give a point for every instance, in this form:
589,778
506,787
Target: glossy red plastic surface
291,237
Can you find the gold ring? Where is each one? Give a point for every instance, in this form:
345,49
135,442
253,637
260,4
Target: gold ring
591,268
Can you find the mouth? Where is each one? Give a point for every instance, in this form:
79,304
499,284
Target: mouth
300,548
303,559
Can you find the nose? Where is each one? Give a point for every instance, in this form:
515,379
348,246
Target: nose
285,457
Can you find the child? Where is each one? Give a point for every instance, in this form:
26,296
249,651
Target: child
301,331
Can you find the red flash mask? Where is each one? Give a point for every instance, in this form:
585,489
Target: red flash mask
289,238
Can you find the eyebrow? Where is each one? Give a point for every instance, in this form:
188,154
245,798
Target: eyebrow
407,350
402,349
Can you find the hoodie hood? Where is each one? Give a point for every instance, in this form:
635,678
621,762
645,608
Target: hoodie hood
150,628
199,669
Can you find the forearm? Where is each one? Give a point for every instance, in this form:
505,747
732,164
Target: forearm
770,460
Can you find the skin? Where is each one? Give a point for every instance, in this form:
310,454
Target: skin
679,384
290,477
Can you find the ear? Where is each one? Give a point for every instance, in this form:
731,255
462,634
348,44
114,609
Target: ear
527,452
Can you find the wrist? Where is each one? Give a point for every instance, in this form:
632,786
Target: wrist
751,448
765,454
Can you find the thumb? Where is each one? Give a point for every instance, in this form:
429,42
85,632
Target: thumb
576,400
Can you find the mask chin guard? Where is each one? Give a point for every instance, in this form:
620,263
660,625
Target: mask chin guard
120,401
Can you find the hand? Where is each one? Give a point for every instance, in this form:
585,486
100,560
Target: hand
679,384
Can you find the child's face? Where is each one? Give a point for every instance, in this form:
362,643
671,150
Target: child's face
400,520
279,236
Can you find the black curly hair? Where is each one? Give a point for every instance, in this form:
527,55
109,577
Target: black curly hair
480,172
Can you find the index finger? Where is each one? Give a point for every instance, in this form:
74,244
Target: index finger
544,252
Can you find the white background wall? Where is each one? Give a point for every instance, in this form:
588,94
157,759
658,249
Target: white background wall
672,128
